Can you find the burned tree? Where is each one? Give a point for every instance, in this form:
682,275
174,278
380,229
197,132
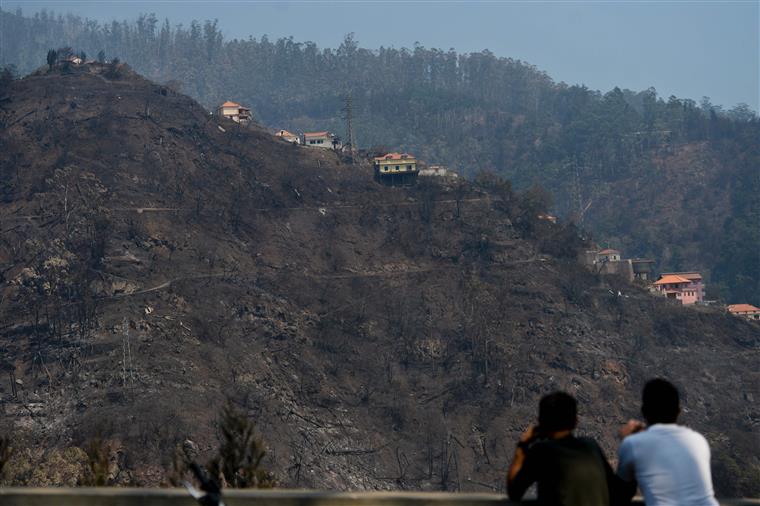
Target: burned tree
52,58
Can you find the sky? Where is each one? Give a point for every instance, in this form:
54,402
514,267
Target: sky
685,48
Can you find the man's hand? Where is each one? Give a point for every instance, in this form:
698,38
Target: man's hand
517,461
631,427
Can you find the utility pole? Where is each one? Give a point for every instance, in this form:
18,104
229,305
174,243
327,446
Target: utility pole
348,116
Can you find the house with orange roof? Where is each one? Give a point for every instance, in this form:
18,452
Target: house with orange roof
747,311
323,139
235,112
696,284
287,136
677,287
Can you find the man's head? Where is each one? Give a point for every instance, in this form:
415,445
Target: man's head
660,402
557,411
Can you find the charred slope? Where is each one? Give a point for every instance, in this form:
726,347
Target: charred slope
156,261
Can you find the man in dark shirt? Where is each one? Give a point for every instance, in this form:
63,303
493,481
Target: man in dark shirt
570,471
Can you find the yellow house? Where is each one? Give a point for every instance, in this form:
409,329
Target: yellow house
395,163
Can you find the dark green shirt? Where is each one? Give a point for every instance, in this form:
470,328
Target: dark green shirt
570,472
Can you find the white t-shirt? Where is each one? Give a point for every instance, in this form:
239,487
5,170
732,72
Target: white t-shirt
671,463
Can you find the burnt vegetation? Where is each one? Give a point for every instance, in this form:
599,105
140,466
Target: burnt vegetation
379,337
616,159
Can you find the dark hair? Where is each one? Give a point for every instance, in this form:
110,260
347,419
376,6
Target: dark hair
660,402
557,411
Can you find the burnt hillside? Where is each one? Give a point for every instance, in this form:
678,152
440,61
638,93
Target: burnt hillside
155,261
657,176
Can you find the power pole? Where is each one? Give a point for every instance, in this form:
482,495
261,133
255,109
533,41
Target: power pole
348,116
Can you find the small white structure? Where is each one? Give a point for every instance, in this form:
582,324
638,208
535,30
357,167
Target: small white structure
288,136
608,255
437,171
324,139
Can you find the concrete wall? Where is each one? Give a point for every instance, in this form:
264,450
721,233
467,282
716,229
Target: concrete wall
622,268
179,497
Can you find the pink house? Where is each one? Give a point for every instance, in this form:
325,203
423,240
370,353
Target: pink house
678,288
695,280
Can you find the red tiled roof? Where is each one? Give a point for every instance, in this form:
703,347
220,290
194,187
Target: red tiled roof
285,133
316,134
691,275
395,156
230,104
608,251
671,279
742,308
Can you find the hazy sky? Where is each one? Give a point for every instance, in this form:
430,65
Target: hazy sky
686,48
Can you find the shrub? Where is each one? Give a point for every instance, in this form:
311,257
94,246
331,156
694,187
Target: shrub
238,462
96,475
5,452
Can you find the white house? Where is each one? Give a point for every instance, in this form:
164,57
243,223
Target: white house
288,136
235,112
320,140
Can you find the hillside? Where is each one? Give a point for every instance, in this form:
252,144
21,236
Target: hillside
155,261
600,151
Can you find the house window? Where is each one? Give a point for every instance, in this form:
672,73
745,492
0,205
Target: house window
397,167
408,167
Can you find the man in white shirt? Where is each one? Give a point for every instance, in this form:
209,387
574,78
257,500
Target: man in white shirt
670,462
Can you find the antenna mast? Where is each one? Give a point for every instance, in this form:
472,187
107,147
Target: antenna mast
348,115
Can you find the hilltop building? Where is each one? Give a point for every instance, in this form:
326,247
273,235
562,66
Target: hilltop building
677,287
642,268
606,261
695,283
324,139
437,171
608,255
747,311
396,168
235,112
288,136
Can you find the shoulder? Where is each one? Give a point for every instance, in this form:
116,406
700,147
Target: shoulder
694,437
635,439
